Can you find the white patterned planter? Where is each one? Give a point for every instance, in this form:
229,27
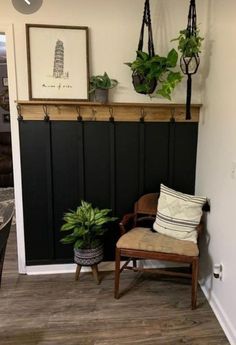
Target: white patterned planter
88,257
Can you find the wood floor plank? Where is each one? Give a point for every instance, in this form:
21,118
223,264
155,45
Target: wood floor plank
57,310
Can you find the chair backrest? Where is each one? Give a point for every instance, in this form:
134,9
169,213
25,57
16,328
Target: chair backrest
146,207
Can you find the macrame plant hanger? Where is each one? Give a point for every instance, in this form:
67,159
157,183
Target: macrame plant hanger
137,78
189,64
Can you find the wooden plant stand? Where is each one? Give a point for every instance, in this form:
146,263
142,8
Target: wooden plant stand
94,271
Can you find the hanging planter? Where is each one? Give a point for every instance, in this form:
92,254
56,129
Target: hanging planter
143,83
150,71
190,48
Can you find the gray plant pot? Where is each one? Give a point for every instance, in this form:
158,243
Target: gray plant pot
88,257
101,95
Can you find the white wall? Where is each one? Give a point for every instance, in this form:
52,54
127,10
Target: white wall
216,152
114,33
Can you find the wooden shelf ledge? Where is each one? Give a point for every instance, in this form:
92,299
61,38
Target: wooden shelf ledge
91,111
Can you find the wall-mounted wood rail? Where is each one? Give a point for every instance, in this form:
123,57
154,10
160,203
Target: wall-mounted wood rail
90,111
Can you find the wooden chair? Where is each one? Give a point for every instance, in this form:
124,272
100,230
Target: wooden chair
4,234
142,243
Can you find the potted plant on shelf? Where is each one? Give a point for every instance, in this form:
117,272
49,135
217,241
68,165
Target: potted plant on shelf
87,225
152,73
100,85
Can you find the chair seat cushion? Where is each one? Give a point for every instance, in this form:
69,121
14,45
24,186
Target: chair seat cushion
145,239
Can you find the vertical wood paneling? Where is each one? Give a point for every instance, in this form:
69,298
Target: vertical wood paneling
112,167
81,172
107,163
156,155
184,161
66,177
37,190
97,163
127,165
141,168
171,154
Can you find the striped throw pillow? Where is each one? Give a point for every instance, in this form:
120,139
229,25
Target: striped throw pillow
178,214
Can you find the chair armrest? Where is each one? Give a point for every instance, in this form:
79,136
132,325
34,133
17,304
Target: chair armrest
126,223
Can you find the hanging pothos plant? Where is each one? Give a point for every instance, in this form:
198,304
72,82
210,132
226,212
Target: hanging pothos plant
156,69
152,72
189,45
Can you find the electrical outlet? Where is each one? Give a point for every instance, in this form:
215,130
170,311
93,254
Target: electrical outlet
218,271
221,272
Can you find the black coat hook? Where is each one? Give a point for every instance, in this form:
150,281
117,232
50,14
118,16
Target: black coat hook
111,118
79,117
20,117
45,110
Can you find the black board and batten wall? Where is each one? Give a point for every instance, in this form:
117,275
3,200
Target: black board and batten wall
107,163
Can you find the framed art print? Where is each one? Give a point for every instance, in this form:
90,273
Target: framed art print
57,62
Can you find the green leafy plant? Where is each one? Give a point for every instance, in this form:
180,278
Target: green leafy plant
159,68
101,82
189,44
87,226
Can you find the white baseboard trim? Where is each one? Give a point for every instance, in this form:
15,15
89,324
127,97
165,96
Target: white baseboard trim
103,266
220,314
65,268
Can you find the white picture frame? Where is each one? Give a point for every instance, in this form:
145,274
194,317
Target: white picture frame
58,64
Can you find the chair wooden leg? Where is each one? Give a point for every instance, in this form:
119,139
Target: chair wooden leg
95,273
134,263
195,268
77,273
117,273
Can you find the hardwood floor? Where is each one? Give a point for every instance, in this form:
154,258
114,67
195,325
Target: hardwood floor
57,310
